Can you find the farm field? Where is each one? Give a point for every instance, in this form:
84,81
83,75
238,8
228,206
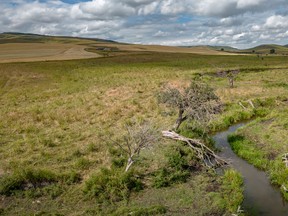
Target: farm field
30,52
30,48
58,120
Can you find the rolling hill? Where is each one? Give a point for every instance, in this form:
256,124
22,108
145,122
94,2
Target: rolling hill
20,47
15,37
265,49
224,48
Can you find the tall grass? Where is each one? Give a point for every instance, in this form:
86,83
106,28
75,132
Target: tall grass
54,116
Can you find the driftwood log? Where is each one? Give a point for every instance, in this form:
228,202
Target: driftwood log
205,154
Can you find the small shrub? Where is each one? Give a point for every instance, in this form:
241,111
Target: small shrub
112,185
119,162
267,102
26,179
180,163
261,112
165,177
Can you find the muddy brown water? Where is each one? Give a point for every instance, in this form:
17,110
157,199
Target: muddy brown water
260,197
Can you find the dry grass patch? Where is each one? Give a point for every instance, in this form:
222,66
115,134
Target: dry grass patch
29,52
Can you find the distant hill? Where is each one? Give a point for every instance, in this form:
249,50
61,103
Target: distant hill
266,48
20,47
224,48
15,37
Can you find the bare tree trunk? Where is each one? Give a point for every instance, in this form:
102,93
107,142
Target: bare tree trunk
231,82
180,119
129,164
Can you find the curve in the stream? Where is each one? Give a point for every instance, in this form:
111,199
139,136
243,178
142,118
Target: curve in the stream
260,197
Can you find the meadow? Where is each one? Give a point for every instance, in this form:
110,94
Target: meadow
57,118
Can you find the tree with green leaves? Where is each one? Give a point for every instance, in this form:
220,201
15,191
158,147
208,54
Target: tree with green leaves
272,51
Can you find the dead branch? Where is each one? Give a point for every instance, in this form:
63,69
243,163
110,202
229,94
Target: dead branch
209,158
251,104
242,105
239,211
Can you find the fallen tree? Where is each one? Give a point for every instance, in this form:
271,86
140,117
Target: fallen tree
205,154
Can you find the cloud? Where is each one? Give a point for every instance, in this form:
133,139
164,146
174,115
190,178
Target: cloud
169,22
277,21
104,9
160,34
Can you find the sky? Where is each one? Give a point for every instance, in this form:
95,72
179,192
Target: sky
237,23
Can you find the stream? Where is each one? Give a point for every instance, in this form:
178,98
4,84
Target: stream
260,197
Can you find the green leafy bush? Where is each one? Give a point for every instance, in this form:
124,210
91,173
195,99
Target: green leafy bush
112,185
178,169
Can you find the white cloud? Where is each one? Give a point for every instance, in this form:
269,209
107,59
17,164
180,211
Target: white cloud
106,8
160,34
248,3
256,28
239,36
148,9
265,36
277,21
282,35
185,22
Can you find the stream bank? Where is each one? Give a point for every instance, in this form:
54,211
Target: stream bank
260,197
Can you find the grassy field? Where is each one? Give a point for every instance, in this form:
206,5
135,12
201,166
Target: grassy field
56,118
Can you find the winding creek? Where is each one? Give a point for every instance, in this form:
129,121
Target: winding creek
260,197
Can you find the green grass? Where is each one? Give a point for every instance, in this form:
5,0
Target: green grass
263,143
232,183
58,116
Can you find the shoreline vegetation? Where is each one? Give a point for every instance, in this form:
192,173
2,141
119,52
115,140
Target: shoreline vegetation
55,118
